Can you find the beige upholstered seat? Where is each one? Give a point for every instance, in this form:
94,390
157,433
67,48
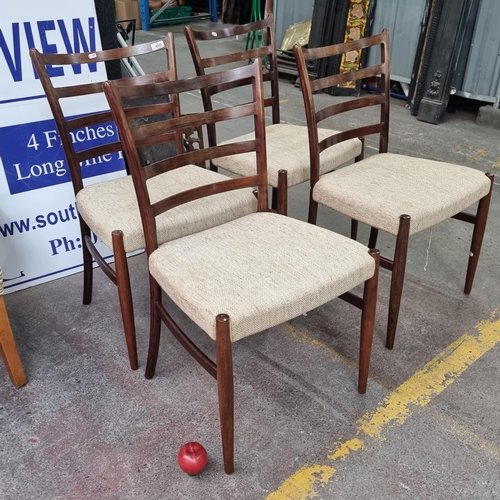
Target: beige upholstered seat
113,204
261,270
288,149
287,145
399,194
379,189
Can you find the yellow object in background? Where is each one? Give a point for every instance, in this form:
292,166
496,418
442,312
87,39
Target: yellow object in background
296,33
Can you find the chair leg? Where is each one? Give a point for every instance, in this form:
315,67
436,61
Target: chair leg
125,297
155,328
88,268
8,349
282,193
361,155
225,390
477,237
398,276
372,241
354,229
313,209
367,324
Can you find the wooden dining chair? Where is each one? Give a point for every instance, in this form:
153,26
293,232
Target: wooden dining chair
287,144
109,209
399,194
246,275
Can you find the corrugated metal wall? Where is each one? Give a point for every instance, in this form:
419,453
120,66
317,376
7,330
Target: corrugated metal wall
288,12
482,73
403,18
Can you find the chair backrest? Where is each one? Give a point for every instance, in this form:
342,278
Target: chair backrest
150,132
315,116
264,34
58,96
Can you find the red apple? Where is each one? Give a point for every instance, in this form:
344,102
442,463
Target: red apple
192,458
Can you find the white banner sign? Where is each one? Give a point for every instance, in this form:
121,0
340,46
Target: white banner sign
39,229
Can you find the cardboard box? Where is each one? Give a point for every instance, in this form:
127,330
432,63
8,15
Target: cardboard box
128,9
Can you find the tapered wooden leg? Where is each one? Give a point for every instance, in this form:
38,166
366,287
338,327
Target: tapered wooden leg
8,349
125,297
88,268
225,389
155,328
397,280
313,209
282,193
368,323
354,229
477,237
361,155
274,199
372,241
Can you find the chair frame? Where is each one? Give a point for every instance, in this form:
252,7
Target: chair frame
398,264
8,349
222,370
120,274
279,194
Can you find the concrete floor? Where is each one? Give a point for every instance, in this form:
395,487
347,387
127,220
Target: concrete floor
87,427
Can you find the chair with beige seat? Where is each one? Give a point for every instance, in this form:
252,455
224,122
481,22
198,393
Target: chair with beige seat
109,209
399,194
246,275
287,144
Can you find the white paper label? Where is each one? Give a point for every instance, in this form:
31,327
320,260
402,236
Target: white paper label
158,45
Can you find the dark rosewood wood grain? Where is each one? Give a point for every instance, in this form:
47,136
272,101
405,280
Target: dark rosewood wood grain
249,77
117,92
268,50
66,125
225,389
367,324
266,53
315,116
282,193
125,297
477,236
397,278
132,137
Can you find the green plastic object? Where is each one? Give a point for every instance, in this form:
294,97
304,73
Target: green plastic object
255,39
173,15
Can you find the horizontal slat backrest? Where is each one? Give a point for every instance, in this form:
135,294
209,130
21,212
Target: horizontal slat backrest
67,126
315,116
249,78
263,35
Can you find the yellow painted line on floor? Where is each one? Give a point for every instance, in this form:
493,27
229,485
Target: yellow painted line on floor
303,483
417,391
479,154
302,337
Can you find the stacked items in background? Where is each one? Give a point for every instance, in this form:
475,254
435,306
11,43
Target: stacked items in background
169,11
128,9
